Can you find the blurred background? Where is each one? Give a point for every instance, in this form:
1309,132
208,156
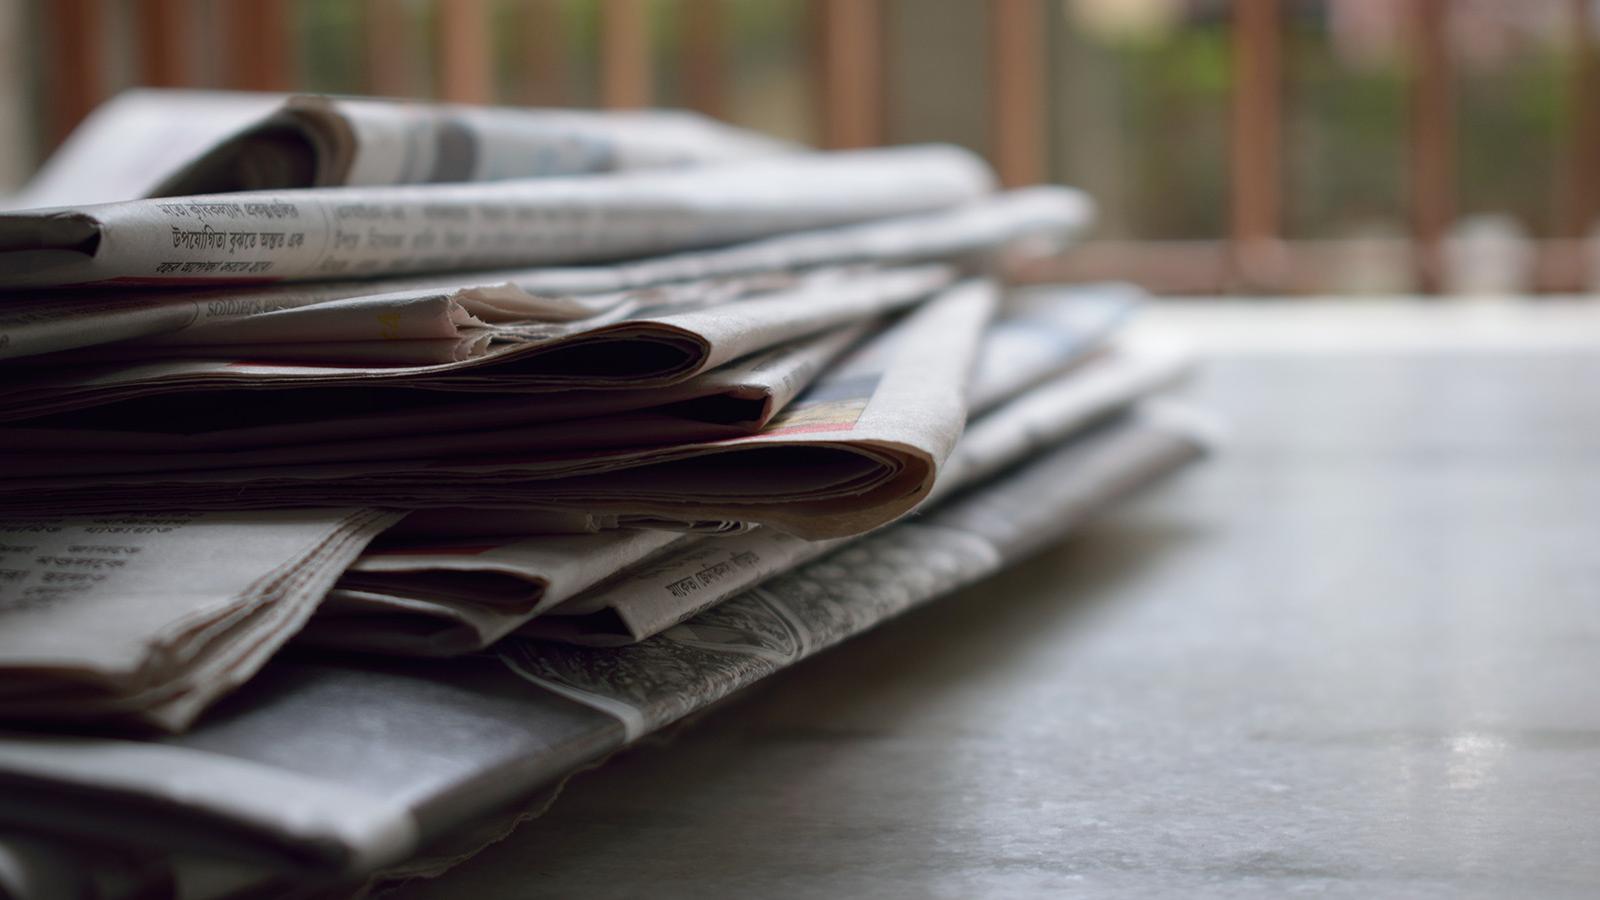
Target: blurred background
1293,147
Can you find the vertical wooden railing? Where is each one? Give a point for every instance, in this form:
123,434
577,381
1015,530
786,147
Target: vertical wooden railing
542,69
74,60
258,45
1432,147
466,58
625,60
849,71
1017,111
1582,167
256,49
1255,145
1577,182
386,49
165,31
705,74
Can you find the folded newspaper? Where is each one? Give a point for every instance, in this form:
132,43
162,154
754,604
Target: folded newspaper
346,766
644,601
1037,220
318,141
859,448
895,403
153,142
151,617
609,415
442,594
432,598
662,343
364,232
739,397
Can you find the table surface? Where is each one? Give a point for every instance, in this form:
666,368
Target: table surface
1356,653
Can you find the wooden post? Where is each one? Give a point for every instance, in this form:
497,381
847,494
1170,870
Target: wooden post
1583,155
1256,152
704,72
1579,196
75,63
542,73
387,53
466,57
1016,90
258,46
625,64
164,28
850,64
1432,160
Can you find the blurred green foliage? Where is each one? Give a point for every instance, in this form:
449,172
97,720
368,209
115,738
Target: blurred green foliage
1176,97
1513,122
1344,138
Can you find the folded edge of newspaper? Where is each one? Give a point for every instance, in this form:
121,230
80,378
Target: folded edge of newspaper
363,232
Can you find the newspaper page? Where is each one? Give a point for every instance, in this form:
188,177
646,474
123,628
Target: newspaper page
652,598
445,523
364,232
345,767
737,398
442,598
148,142
128,144
858,449
42,322
1045,330
657,344
723,353
149,618
33,867
336,331
39,868
319,141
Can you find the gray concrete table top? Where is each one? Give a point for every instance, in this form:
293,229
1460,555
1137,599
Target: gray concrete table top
1356,653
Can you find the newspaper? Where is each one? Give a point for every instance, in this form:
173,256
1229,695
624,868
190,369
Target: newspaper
149,618
651,598
652,683
673,339
735,399
1045,330
317,141
45,323
859,448
128,144
441,593
738,398
659,344
447,598
364,232
446,523
1043,334
347,766
36,868
1044,219
155,142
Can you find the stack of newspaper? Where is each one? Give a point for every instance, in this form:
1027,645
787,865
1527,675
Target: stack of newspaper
606,415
